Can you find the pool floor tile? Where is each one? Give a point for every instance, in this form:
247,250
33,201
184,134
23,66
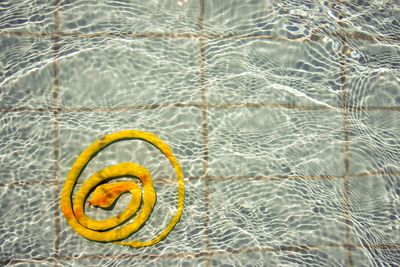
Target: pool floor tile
248,213
374,141
375,209
27,147
28,16
373,74
105,73
179,128
289,19
27,222
26,76
375,257
321,257
273,72
378,17
130,16
258,142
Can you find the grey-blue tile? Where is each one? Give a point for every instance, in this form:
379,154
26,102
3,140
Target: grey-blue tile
374,141
31,263
290,19
27,146
26,72
273,72
257,142
321,257
365,257
31,16
248,213
375,209
179,128
27,222
108,73
137,261
372,17
373,74
131,16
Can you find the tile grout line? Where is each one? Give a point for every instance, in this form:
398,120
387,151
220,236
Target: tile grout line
208,106
55,109
204,134
293,248
346,199
375,173
346,126
189,35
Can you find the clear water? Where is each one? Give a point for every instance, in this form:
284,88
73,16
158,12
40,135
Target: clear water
285,117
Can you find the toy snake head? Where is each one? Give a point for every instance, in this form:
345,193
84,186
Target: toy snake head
105,195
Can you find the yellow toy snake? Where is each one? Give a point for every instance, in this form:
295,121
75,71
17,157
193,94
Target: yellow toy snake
105,194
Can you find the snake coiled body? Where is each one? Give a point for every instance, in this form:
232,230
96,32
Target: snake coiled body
105,194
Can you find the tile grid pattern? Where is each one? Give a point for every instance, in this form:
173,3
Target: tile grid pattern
202,38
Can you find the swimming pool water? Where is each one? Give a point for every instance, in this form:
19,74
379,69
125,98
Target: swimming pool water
284,115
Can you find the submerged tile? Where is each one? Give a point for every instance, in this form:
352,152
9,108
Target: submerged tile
27,146
31,16
34,263
179,128
374,141
290,19
26,222
130,16
273,72
26,76
375,257
108,73
372,17
250,213
375,209
320,257
373,74
257,142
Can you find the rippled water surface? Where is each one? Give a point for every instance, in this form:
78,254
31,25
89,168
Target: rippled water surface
284,115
